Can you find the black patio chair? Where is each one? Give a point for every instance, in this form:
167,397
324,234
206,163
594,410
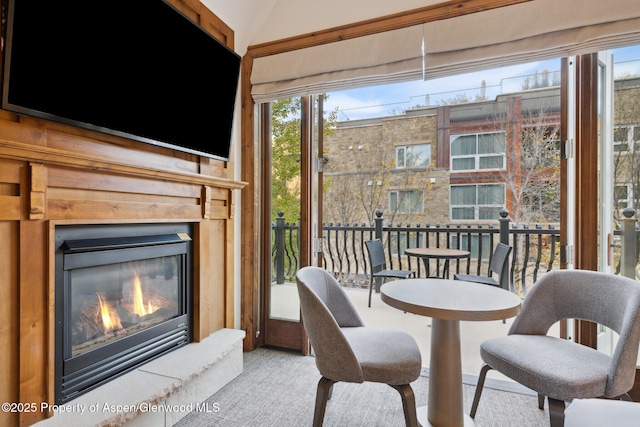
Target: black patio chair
379,269
497,266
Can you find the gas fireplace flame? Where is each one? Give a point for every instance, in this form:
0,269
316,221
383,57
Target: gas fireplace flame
110,319
139,307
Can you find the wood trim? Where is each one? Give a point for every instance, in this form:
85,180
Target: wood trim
250,221
201,15
229,271
586,152
53,156
35,317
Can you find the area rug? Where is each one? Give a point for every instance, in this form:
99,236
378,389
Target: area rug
277,389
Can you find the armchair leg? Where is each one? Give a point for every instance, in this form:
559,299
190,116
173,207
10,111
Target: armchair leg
556,412
540,401
325,386
625,397
408,404
479,386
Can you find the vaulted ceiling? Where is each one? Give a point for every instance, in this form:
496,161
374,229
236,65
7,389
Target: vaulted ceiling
260,21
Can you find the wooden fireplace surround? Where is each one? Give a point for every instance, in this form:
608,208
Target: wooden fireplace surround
52,174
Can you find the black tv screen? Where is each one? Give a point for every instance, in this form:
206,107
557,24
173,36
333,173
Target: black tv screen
138,69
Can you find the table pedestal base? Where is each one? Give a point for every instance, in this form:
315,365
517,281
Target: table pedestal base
445,375
424,420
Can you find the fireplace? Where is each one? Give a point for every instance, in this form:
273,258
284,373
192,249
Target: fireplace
122,298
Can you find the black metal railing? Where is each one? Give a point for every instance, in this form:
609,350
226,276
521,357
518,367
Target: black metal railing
536,249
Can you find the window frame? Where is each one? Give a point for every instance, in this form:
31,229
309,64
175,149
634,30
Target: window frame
407,148
399,203
476,206
633,138
477,156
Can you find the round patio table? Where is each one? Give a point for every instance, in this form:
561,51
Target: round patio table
445,254
448,302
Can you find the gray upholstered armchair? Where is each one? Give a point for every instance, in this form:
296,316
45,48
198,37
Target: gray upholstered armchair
560,369
346,350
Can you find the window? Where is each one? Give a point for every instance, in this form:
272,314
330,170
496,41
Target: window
406,201
477,201
624,137
413,156
478,151
623,195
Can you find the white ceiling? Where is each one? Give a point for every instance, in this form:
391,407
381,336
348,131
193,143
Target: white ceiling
259,21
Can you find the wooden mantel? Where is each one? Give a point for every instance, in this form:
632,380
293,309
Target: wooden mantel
54,174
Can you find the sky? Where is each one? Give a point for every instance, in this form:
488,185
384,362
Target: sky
380,101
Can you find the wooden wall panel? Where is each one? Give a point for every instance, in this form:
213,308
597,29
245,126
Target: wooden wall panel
89,180
10,208
81,194
217,262
9,318
154,157
9,190
35,346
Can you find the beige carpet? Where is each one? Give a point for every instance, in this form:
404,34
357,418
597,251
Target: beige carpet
278,389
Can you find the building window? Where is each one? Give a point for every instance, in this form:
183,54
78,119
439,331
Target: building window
623,195
406,201
624,138
413,156
477,201
480,151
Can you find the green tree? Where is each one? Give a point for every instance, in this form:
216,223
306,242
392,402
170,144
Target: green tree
285,146
285,163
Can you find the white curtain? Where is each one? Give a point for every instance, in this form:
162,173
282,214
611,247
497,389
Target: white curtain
525,32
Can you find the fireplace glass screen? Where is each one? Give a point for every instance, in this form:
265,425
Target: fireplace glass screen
110,302
123,298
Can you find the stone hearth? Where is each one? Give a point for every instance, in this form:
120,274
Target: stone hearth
161,392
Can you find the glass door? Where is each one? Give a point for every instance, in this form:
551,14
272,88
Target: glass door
620,76
605,337
292,140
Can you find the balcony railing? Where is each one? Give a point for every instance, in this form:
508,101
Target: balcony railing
536,250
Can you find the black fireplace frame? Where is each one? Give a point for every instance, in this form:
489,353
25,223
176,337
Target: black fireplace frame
108,244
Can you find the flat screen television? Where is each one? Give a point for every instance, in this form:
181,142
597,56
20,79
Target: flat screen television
138,69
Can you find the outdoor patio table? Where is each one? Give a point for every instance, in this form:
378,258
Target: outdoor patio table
448,302
445,254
